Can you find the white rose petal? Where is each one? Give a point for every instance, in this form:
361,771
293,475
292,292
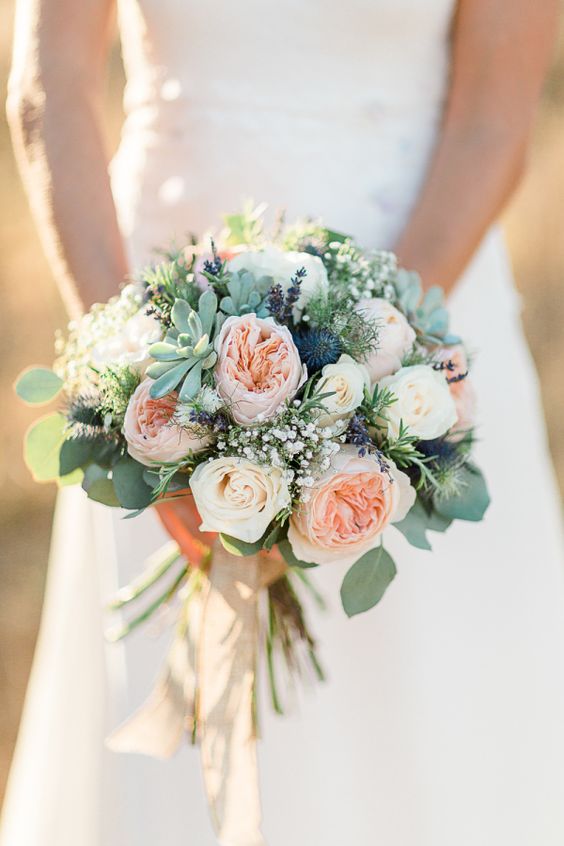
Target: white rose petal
346,380
395,338
238,497
424,403
131,345
282,266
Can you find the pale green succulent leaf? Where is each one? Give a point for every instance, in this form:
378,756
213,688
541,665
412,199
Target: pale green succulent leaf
168,381
192,383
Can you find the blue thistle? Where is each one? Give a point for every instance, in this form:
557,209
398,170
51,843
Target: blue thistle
317,347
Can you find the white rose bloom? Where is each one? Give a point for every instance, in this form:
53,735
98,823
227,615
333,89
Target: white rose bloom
396,337
424,402
346,380
282,267
131,344
238,497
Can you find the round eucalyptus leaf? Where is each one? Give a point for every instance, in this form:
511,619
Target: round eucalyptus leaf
38,385
42,446
367,580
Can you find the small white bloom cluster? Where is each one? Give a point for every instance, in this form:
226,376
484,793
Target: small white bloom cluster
104,321
364,274
292,441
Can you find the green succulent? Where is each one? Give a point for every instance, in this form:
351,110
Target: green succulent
187,349
246,294
426,313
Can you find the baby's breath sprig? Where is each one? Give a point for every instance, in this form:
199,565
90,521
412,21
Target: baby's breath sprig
361,273
292,441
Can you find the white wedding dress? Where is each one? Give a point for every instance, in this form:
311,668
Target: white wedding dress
442,721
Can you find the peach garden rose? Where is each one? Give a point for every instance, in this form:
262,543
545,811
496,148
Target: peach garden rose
349,508
258,367
150,432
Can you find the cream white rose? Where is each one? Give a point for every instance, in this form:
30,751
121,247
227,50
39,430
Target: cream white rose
396,337
424,403
346,380
238,497
282,267
131,344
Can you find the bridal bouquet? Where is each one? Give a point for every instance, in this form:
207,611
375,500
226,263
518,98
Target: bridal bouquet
305,392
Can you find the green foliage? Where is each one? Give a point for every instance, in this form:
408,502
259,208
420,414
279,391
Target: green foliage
99,486
334,309
117,384
418,522
239,547
170,280
129,483
246,294
42,446
287,554
245,227
75,453
367,580
187,351
472,501
374,406
38,385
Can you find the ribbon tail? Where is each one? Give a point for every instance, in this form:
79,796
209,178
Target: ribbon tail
159,726
227,671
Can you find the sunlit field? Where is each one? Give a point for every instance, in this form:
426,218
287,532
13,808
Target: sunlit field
31,310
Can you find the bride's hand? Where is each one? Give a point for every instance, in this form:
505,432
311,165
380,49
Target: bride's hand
182,521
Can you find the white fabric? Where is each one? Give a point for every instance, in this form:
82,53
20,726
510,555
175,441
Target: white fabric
443,718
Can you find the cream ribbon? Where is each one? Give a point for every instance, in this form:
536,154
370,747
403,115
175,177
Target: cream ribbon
209,683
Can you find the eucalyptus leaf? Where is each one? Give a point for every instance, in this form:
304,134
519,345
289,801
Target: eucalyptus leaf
42,446
275,535
287,554
75,453
74,478
38,385
240,547
130,486
473,501
99,486
415,525
367,580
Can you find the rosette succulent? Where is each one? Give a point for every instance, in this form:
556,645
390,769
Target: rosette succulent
187,350
246,295
427,314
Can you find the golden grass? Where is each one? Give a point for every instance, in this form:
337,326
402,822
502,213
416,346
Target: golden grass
31,310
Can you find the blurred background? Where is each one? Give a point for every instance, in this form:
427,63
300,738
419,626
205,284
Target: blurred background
31,311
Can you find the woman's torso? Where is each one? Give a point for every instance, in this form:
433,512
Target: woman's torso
314,106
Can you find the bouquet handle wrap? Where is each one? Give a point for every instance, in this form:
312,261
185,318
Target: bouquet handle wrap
208,688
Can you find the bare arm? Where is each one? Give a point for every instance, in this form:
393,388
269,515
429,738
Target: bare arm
501,49
53,108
